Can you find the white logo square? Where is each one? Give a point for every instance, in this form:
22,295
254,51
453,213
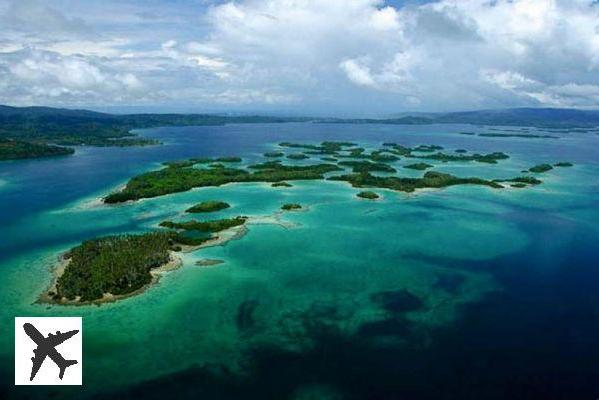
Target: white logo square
48,351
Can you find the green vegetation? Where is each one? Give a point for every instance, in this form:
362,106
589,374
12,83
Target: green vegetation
541,168
297,156
490,158
205,226
563,164
427,148
429,180
323,148
518,135
518,185
213,162
467,133
367,166
461,151
17,149
418,166
329,159
228,159
368,195
208,206
291,207
44,126
281,184
114,264
121,264
274,154
527,180
180,179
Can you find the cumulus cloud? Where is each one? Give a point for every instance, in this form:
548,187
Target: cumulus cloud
334,56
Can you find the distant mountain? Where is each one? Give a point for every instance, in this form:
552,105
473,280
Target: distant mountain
540,117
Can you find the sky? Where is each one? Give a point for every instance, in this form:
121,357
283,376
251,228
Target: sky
299,57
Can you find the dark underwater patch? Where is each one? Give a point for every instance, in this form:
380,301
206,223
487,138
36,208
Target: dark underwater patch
398,301
450,282
245,315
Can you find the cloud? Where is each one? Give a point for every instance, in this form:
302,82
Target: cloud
336,56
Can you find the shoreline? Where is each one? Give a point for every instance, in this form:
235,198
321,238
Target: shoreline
45,298
175,262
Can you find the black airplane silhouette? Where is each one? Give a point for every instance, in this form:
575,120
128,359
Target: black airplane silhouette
46,347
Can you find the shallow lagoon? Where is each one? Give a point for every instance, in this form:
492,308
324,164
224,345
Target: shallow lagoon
505,270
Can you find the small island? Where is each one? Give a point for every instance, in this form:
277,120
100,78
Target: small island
563,164
541,168
281,184
291,207
208,206
11,149
522,180
368,195
367,166
109,267
429,180
185,177
229,159
297,156
418,166
114,267
517,135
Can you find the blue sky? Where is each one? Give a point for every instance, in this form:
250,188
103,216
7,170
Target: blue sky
333,57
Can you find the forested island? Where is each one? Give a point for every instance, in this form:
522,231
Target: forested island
367,194
208,206
11,149
183,178
418,166
113,267
429,180
291,207
43,126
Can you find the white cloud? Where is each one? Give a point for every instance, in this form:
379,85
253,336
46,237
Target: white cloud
325,56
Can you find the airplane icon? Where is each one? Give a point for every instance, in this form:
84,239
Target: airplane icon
46,347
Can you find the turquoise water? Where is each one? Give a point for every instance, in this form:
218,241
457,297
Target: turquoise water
312,304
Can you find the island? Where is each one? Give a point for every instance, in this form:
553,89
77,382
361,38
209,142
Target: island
112,266
45,126
281,184
180,179
205,226
429,180
208,206
291,207
11,149
297,156
490,158
541,168
228,159
517,135
366,166
563,164
368,195
522,180
418,166
115,267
